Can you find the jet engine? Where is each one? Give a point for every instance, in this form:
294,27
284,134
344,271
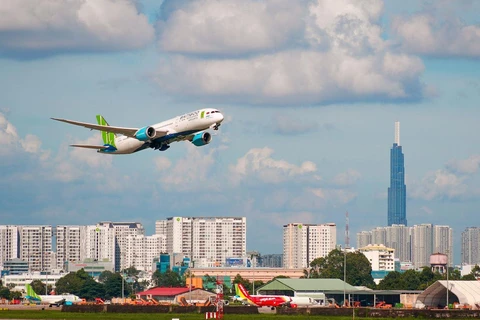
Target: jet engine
145,133
201,139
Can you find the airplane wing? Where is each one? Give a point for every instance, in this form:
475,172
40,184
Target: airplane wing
121,130
88,146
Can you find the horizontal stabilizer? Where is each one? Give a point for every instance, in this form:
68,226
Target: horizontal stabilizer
89,146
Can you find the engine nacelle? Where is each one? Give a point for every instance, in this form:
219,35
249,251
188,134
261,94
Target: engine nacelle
201,139
145,133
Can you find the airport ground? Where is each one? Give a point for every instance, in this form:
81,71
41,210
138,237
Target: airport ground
44,312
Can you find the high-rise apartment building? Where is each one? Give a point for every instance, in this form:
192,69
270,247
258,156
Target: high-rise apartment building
123,230
8,243
422,244
471,246
70,244
141,250
397,190
35,246
398,237
100,242
272,260
443,241
364,238
303,243
208,241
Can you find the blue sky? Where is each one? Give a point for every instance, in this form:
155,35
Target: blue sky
310,91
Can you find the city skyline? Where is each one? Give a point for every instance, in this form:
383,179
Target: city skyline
309,91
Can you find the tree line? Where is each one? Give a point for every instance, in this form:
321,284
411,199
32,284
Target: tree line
358,273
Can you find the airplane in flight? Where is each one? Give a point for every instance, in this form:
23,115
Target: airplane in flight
261,300
121,140
51,300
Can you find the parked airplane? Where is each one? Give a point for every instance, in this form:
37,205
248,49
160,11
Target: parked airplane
261,300
120,140
51,300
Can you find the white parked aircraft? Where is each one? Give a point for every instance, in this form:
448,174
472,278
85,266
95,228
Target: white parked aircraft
51,300
120,140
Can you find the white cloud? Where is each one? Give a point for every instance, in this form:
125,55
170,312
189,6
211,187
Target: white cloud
438,32
455,181
162,163
51,26
440,184
294,77
347,178
339,56
258,164
189,173
469,165
231,27
90,157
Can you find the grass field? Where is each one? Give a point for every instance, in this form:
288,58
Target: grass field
49,314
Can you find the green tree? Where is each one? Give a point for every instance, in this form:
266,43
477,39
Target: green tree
38,286
392,281
238,279
358,268
15,295
72,282
427,277
4,293
92,289
168,279
410,280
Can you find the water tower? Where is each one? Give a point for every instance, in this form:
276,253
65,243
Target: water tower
438,262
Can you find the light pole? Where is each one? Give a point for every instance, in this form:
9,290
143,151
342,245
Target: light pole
344,275
123,288
447,278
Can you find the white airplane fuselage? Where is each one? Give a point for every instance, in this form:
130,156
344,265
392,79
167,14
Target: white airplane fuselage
178,128
54,299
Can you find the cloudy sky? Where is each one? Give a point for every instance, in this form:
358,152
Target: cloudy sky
310,91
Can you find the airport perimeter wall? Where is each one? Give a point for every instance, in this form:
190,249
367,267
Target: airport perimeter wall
112,308
346,312
382,313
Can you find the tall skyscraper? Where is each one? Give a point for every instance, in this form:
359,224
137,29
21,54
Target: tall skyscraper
397,191
471,246
442,241
303,243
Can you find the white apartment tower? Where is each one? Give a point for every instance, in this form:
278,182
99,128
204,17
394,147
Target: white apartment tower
123,230
208,241
8,243
100,242
471,246
36,246
379,235
442,241
141,250
70,243
422,244
398,237
303,243
381,258
364,238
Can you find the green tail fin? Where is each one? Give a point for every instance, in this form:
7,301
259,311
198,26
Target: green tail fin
108,137
31,293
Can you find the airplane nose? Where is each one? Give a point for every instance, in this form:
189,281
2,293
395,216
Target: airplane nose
221,117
